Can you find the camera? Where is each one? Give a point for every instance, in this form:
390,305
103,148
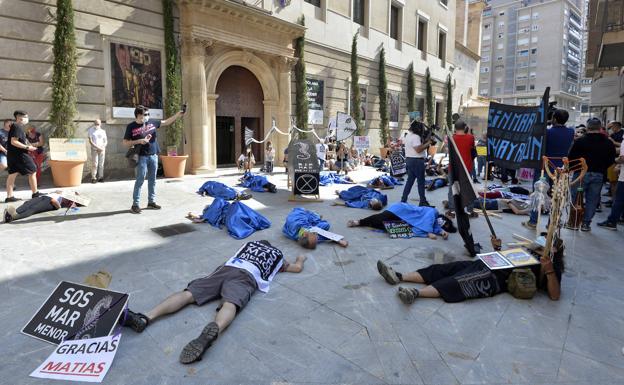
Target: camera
550,111
184,108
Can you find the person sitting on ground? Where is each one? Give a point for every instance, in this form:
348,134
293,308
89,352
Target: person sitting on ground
361,198
384,182
425,220
246,161
46,202
298,225
461,280
342,160
252,268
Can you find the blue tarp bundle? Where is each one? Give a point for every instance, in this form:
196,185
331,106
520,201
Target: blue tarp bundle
359,197
300,218
388,180
217,190
328,177
422,219
254,182
240,220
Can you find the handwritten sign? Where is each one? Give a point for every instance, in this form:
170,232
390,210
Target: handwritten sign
361,142
68,149
399,229
397,163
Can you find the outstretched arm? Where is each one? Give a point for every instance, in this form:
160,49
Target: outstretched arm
296,267
171,119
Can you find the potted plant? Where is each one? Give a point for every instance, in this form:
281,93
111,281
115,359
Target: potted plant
173,163
66,170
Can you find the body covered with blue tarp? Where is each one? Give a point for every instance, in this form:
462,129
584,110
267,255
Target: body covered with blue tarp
386,180
217,190
359,197
240,220
300,218
254,182
423,219
327,178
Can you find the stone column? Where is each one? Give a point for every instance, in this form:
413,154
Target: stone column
284,105
201,108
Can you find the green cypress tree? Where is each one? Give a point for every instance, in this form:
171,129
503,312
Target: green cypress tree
301,88
411,88
356,97
64,88
449,102
429,115
383,99
173,98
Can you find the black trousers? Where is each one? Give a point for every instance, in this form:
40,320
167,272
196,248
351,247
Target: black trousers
376,220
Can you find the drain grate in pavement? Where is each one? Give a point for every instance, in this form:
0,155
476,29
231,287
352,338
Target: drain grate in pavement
171,230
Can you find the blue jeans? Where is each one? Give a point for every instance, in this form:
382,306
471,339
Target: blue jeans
147,164
415,172
618,204
592,186
480,164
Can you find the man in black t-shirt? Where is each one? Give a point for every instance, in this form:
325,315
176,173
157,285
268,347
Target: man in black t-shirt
18,160
252,268
142,134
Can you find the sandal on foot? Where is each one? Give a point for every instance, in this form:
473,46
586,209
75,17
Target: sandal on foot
194,350
408,295
135,321
387,273
353,223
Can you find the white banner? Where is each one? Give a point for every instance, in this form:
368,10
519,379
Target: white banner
345,126
85,360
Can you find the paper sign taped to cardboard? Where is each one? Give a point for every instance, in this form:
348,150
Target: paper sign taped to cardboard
72,196
327,234
85,360
68,149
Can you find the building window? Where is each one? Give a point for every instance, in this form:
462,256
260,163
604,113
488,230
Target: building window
444,3
500,68
534,39
524,41
501,13
520,88
487,26
483,92
316,3
487,37
535,15
500,46
523,52
485,70
532,87
442,45
535,27
501,35
359,11
422,34
501,26
533,51
498,90
485,58
499,58
394,22
524,17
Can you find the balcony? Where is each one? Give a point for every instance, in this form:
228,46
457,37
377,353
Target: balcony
605,45
612,47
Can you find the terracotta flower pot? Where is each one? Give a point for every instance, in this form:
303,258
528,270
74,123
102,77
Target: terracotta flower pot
173,166
66,173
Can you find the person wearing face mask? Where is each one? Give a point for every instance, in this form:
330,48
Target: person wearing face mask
18,160
142,133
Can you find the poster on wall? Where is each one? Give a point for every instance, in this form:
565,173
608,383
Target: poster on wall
393,108
136,78
315,100
363,99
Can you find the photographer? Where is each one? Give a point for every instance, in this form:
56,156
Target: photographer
417,142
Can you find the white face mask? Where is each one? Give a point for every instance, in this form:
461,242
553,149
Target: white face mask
24,120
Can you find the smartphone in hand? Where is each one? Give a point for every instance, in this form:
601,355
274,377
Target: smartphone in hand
184,107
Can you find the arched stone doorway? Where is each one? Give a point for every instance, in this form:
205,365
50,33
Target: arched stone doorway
239,105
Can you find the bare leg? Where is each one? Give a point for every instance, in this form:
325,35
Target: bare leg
32,181
171,304
429,292
414,277
10,183
225,315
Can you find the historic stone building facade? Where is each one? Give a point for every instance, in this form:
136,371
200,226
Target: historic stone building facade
237,60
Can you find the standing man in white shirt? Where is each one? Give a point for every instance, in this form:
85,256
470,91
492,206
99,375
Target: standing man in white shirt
321,154
98,141
415,157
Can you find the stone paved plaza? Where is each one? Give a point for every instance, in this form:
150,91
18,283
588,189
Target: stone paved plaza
337,322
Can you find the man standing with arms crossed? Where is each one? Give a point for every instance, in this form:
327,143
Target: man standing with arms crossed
142,132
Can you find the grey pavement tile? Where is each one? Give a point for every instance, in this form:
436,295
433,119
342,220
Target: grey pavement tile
398,367
338,329
360,350
435,372
579,369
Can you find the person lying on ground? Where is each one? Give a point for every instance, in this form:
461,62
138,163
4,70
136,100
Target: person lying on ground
510,206
461,280
436,183
327,178
361,198
257,183
219,190
384,182
252,268
47,202
425,220
240,220
299,226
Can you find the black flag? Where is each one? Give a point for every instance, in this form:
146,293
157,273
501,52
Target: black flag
463,196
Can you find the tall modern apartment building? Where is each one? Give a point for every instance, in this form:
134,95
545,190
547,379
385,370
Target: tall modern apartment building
528,45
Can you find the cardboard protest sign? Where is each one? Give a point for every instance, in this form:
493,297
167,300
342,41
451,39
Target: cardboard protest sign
68,149
315,100
399,229
345,126
85,360
361,142
397,163
72,196
304,167
327,234
516,135
75,311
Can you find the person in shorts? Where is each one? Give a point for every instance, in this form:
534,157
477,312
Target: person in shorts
18,160
4,138
252,268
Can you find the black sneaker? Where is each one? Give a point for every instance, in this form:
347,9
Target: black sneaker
101,180
387,273
585,227
607,225
7,217
11,199
135,321
425,204
135,209
194,350
408,295
154,206
37,194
